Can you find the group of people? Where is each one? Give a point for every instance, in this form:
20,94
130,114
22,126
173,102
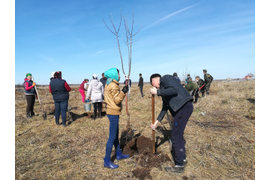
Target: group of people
175,98
201,87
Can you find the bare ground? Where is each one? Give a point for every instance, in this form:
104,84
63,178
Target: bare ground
220,138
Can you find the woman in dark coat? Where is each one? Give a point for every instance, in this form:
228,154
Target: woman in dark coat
60,91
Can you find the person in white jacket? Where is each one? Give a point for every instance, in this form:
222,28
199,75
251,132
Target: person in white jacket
95,90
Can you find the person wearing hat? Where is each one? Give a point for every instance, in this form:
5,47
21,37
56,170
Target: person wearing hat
113,96
201,85
30,94
208,80
178,101
188,79
60,91
95,90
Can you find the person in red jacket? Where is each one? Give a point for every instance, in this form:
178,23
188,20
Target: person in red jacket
60,91
82,89
30,94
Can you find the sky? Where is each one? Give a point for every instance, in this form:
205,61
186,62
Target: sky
174,36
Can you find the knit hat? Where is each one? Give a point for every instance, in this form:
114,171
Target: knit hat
111,74
28,74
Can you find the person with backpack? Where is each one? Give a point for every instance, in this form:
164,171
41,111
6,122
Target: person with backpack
208,80
30,95
60,91
178,101
95,90
113,96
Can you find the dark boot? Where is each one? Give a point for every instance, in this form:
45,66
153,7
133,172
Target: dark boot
94,116
119,155
28,117
109,164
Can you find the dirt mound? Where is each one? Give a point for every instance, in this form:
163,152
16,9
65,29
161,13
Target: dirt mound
141,147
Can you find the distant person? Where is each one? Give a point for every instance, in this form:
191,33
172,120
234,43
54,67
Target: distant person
52,76
188,79
128,82
113,97
179,102
193,90
176,77
201,85
82,89
30,95
103,80
208,80
95,90
60,91
140,85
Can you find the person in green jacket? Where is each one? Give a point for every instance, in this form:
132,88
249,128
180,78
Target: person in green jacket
208,80
201,85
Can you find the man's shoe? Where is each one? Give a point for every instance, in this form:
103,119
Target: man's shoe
109,164
28,117
175,169
119,155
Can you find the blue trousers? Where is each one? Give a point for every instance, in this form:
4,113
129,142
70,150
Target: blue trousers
61,106
113,137
180,119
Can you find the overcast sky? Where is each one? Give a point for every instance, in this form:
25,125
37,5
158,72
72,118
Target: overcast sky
174,36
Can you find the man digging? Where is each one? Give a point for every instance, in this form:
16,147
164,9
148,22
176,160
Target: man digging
179,102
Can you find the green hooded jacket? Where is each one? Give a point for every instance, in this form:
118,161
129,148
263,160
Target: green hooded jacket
111,74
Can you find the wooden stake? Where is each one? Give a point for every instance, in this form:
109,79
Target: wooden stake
153,122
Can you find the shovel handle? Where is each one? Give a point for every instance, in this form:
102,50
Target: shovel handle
153,121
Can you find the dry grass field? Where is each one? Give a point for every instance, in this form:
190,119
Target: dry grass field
220,138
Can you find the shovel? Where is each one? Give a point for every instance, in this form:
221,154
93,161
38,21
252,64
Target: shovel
153,122
44,115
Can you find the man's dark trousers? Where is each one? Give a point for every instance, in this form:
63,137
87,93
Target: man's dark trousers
180,119
141,90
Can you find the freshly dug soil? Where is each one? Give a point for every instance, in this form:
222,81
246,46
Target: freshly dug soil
141,146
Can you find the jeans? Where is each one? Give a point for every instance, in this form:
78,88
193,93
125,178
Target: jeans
113,137
61,106
180,119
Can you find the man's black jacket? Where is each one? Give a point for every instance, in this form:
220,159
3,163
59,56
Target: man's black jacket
173,94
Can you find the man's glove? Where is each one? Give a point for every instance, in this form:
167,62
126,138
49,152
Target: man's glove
33,84
125,89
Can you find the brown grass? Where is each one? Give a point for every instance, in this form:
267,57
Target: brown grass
220,137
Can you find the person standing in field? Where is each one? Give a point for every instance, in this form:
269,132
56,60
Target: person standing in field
179,102
60,91
82,89
208,80
103,80
188,79
176,77
201,85
140,85
128,82
95,90
113,96
30,95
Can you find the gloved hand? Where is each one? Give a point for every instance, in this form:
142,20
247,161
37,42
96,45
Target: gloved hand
33,84
125,89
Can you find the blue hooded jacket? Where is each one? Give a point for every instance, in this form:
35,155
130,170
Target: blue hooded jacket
111,74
